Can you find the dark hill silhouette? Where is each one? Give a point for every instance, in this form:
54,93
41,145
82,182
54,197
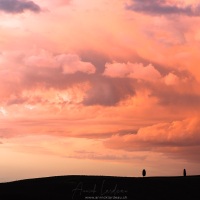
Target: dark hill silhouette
103,187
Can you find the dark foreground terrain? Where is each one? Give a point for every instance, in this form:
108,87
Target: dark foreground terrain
103,187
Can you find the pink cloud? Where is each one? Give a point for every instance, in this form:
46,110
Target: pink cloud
171,79
177,137
69,63
131,70
72,64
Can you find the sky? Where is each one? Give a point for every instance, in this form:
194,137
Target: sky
107,87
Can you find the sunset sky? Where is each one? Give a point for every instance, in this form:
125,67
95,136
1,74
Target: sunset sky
99,87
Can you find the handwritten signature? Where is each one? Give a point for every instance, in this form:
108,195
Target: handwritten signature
102,191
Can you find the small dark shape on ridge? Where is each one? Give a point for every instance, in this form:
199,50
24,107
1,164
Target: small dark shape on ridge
143,172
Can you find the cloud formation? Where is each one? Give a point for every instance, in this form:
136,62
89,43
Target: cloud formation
18,6
108,91
69,75
42,77
40,70
132,70
163,7
177,136
70,63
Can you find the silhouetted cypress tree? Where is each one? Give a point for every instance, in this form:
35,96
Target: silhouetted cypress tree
184,172
143,172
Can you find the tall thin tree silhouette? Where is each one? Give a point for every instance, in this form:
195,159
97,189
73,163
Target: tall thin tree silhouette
184,172
143,172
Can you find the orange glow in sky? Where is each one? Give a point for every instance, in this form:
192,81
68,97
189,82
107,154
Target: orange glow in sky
105,87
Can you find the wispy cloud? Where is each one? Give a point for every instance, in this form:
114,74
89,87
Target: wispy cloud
162,7
18,6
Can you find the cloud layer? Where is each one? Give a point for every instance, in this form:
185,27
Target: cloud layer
91,81
173,139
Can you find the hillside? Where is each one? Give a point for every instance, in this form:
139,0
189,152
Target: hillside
103,187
